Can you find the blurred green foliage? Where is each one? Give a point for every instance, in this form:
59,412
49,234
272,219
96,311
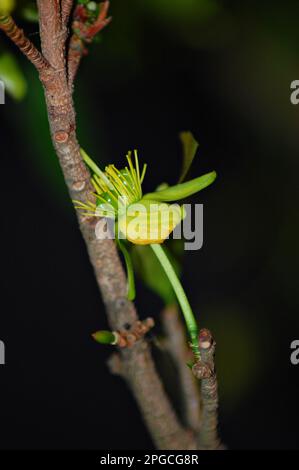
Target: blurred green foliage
180,11
12,75
6,6
29,12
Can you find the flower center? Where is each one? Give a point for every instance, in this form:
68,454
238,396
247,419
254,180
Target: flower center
116,189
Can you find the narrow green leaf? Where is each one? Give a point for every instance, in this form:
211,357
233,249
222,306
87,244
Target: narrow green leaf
130,270
190,146
183,190
90,163
12,76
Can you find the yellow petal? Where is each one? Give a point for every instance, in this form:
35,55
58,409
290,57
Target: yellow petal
150,222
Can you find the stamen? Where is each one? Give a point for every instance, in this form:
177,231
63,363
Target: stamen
143,173
133,173
119,185
96,186
137,166
129,179
102,185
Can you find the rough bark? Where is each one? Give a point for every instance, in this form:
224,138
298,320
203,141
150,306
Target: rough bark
208,438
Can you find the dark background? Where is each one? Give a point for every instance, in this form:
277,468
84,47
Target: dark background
222,70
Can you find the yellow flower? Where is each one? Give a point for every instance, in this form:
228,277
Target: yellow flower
142,219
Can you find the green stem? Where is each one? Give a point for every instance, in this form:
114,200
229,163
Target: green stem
130,270
182,298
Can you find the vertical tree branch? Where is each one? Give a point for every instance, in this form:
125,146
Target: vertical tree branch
177,345
50,26
205,371
83,33
76,52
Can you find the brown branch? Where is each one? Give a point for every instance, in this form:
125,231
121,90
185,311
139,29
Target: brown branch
128,338
16,34
83,34
177,346
50,25
139,369
76,52
205,371
66,8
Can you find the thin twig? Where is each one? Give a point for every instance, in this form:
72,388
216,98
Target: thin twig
66,8
205,371
76,52
177,346
83,34
17,35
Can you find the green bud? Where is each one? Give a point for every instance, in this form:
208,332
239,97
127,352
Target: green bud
105,337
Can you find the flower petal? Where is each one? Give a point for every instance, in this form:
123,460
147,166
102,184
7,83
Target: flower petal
149,222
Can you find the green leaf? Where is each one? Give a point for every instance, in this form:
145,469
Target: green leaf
190,146
183,190
162,186
12,76
30,13
130,270
152,274
90,163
